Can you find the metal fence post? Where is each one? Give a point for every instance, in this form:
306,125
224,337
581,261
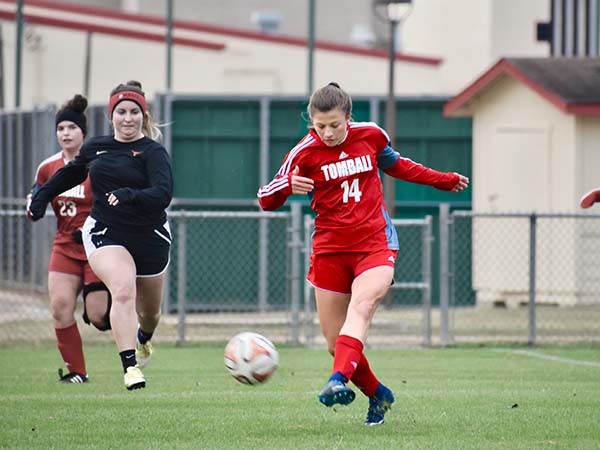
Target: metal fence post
263,227
181,279
532,270
308,313
12,142
444,223
295,268
426,295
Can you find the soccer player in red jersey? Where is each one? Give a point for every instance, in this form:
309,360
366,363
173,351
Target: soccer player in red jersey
69,271
354,243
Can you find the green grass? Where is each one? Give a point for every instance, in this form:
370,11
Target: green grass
462,398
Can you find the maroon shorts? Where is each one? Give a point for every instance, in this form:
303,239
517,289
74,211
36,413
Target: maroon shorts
336,271
59,262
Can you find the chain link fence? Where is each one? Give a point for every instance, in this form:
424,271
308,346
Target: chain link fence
523,278
405,317
229,272
527,278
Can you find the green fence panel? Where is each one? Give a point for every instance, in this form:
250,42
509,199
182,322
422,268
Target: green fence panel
425,136
215,148
216,155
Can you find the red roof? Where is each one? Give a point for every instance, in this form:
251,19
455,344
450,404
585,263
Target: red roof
570,84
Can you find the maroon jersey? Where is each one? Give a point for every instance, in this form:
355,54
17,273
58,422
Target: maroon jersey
71,208
348,194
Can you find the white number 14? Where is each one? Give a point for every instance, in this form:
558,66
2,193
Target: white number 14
351,190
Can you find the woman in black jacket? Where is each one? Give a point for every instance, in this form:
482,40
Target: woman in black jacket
126,237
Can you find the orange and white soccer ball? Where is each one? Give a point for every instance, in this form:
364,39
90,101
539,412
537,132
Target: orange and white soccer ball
251,358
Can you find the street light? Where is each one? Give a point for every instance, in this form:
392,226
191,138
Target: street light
392,11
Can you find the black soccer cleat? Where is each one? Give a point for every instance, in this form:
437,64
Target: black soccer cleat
71,377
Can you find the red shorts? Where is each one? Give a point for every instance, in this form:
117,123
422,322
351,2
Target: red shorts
59,262
336,271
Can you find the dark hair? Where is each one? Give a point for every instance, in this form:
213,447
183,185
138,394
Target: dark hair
131,85
72,110
330,97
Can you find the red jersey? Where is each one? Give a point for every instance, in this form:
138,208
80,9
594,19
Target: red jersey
348,194
71,208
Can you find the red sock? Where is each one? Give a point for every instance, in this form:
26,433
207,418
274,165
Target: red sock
348,351
364,378
71,348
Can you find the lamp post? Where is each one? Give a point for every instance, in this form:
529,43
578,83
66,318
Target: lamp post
392,11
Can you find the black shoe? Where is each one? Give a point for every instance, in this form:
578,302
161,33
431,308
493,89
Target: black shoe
71,377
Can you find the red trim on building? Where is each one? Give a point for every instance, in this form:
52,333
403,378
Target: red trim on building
226,31
584,110
503,67
113,31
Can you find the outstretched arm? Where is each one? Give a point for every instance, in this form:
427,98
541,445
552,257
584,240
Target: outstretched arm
68,176
590,198
406,169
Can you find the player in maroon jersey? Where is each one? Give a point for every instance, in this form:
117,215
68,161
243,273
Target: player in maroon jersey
69,272
354,242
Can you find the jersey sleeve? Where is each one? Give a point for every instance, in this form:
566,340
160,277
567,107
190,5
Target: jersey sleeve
160,177
406,169
273,195
65,178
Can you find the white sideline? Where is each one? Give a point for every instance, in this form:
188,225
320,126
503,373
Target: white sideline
575,362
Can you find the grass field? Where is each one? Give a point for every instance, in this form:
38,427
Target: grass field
460,398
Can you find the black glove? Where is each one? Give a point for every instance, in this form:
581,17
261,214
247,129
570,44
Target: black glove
77,236
36,209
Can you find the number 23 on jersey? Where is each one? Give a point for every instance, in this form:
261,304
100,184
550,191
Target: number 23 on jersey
68,208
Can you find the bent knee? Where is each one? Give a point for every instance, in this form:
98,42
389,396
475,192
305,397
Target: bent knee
123,294
62,308
364,307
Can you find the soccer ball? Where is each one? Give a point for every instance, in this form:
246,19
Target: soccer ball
251,358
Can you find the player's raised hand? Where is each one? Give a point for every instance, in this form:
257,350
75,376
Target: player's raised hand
463,183
300,184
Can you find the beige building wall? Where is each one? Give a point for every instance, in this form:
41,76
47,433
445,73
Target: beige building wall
53,68
588,177
471,35
528,157
467,35
522,144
